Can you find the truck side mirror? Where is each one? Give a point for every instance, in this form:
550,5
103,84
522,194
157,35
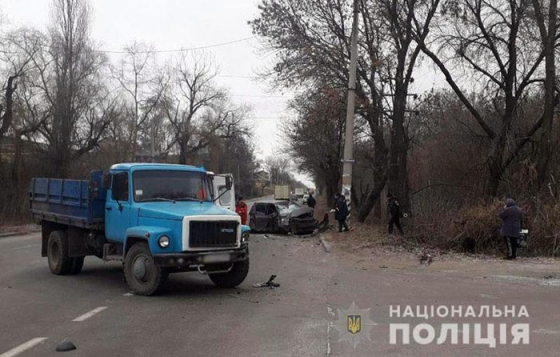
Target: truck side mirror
107,177
229,183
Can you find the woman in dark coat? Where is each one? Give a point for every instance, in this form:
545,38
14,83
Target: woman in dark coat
341,212
512,222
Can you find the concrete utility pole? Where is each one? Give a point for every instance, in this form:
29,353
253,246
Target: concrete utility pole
348,160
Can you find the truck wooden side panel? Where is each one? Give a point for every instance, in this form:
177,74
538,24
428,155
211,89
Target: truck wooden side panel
72,202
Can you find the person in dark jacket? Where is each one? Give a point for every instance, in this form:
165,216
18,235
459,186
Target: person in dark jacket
311,201
512,222
394,210
341,212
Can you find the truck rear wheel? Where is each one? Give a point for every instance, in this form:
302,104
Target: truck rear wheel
234,277
57,253
77,264
142,274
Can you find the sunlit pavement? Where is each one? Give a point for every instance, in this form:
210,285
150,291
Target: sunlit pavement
192,317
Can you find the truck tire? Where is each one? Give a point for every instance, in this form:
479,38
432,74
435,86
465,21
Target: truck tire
234,277
77,264
57,252
142,274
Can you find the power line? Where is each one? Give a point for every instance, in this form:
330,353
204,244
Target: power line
233,76
182,49
258,96
156,51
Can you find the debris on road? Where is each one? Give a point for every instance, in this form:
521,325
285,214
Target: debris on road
325,245
426,258
65,346
244,299
269,284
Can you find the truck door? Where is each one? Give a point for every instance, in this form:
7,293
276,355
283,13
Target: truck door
117,207
227,199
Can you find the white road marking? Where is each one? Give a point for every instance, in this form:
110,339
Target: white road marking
129,294
89,314
23,347
526,279
329,338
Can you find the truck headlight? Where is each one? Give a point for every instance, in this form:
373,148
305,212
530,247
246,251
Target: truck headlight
163,241
245,237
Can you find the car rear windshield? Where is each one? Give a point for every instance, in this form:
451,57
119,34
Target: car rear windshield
162,185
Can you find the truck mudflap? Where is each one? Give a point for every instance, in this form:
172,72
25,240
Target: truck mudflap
207,258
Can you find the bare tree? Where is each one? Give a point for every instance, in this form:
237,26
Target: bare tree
279,169
403,17
490,39
16,53
311,42
69,76
143,85
193,93
315,136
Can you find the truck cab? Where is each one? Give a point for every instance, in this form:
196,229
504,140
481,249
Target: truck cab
155,218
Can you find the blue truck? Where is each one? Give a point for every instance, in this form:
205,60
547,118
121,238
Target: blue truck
156,219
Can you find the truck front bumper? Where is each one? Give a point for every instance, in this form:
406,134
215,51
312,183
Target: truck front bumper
203,258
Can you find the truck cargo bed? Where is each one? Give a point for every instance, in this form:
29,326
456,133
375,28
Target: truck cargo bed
73,202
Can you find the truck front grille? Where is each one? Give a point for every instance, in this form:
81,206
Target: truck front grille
212,234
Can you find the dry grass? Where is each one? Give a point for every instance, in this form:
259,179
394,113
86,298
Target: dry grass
480,222
441,234
24,228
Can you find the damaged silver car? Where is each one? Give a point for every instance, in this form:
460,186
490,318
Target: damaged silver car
281,216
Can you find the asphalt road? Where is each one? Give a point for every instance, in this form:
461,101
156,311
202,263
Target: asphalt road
192,317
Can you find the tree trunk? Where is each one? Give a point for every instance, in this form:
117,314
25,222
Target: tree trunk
182,152
398,173
371,199
17,164
545,145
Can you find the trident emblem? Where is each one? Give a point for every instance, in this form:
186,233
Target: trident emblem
354,324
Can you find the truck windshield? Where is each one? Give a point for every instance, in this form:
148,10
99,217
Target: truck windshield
162,185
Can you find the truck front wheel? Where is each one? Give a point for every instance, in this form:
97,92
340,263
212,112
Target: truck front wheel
57,253
142,274
234,277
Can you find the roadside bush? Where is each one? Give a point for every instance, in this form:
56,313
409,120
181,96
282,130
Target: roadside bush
480,222
447,228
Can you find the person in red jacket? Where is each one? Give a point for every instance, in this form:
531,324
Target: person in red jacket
241,210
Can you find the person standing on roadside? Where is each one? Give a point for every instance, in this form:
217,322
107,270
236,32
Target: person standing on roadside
395,210
341,212
241,209
512,222
311,201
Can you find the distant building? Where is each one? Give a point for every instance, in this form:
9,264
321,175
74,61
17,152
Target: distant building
262,179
